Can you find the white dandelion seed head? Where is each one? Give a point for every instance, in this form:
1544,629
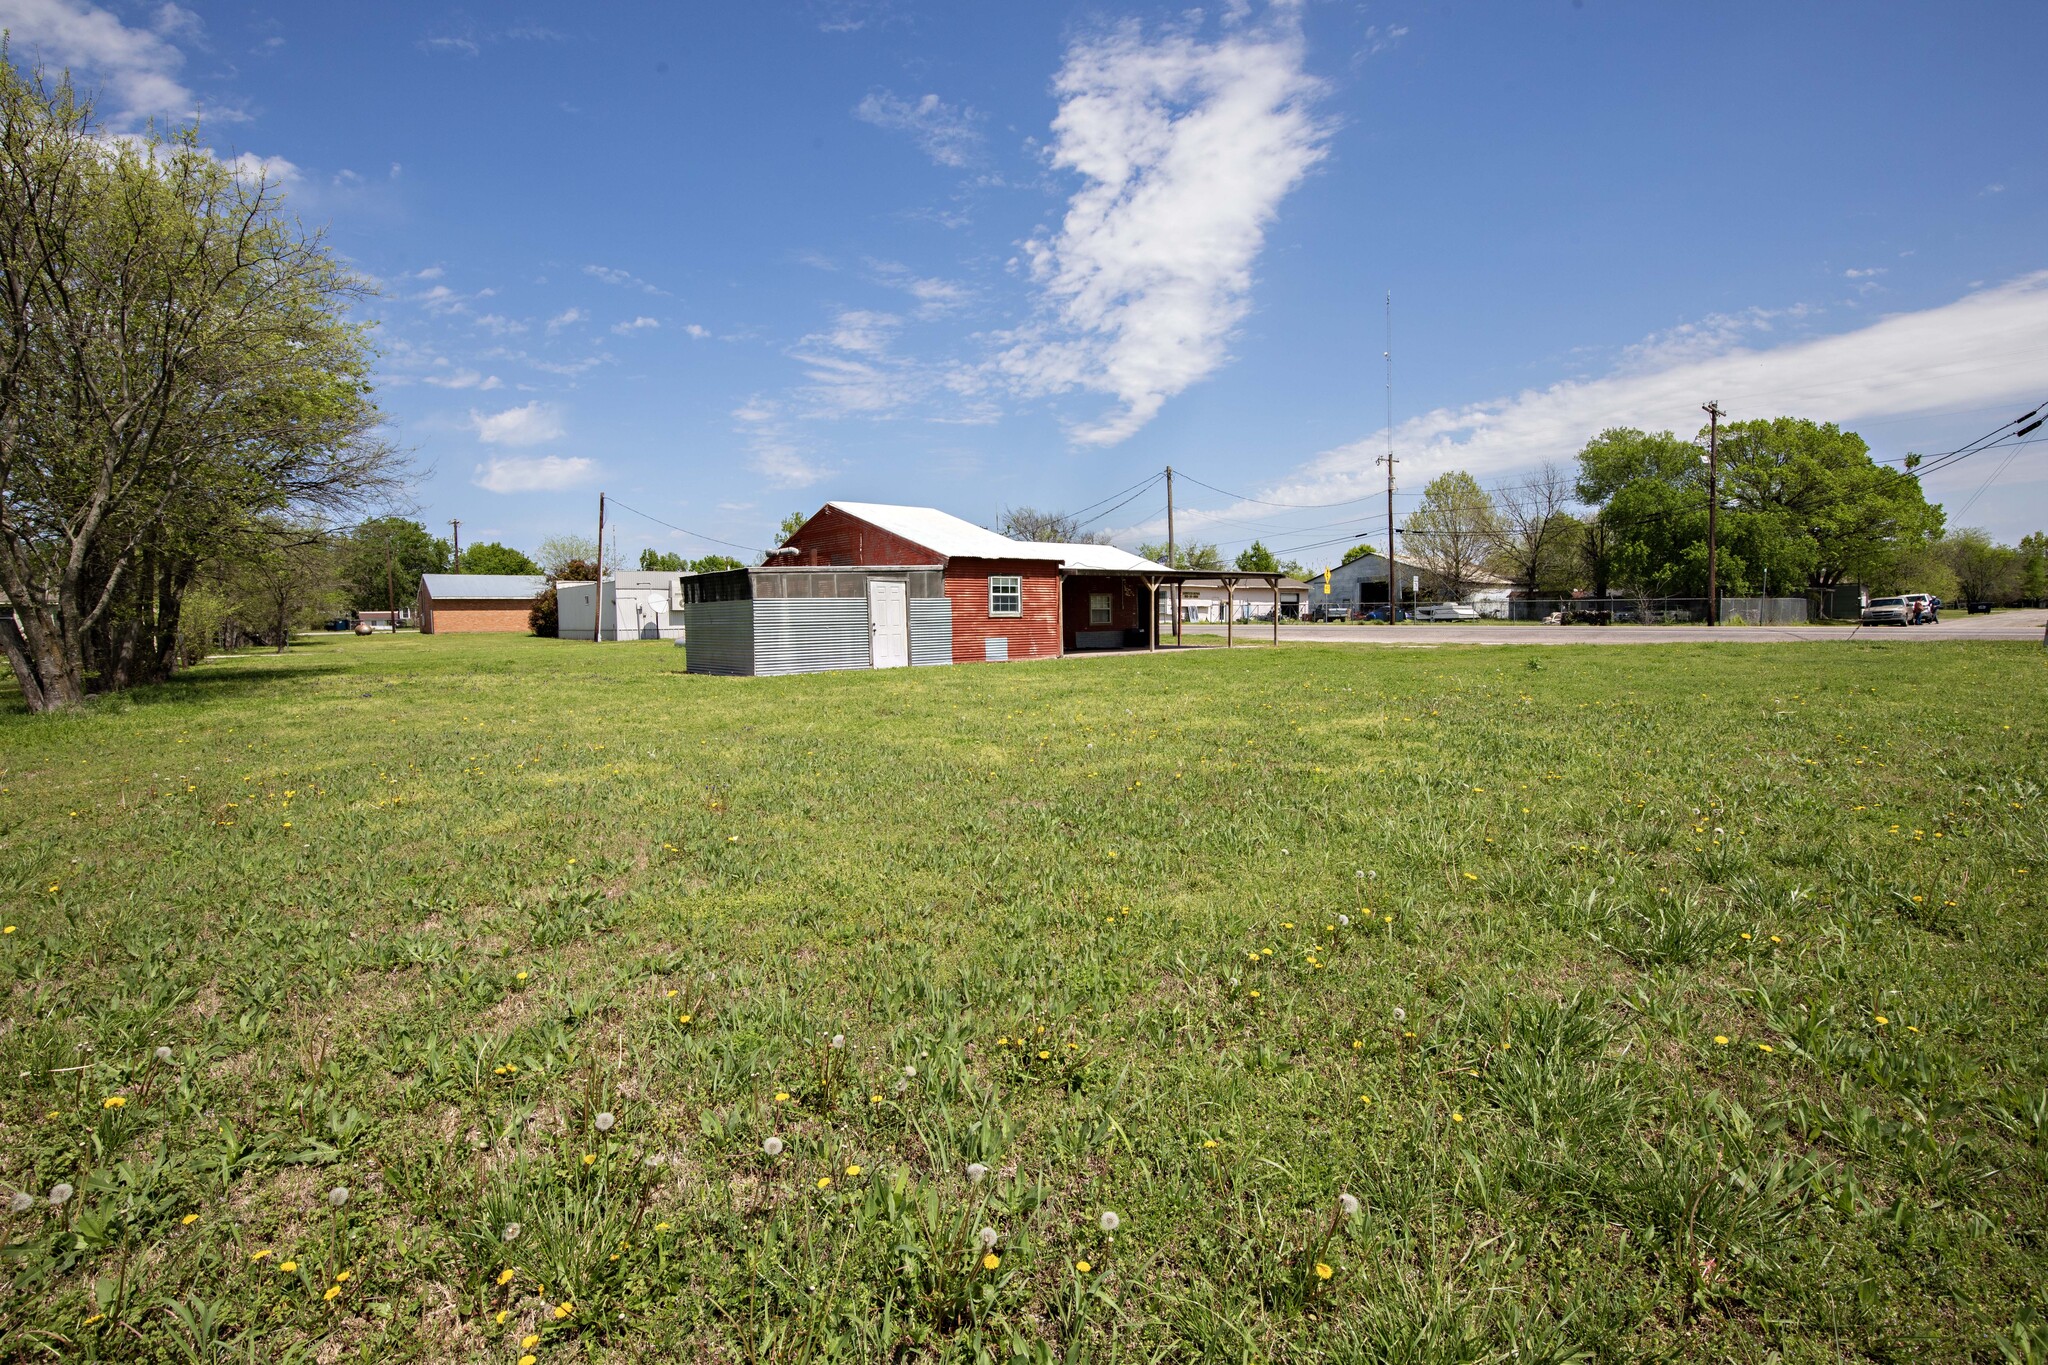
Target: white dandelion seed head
163,1054
59,1194
838,1040
900,1086
511,1232
1344,920
1400,1015
910,1072
1110,1222
338,1195
976,1172
655,1161
1348,1203
20,1202
773,1146
605,1121
987,1237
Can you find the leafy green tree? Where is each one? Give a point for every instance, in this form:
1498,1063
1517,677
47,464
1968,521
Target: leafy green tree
382,561
657,561
715,564
491,557
1358,551
1256,558
557,552
544,618
791,524
176,367
2033,551
1984,570
1451,532
1194,557
285,584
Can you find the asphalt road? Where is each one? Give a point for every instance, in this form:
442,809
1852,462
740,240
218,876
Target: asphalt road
1999,625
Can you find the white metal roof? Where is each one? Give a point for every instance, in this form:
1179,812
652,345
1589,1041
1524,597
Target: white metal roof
457,587
945,534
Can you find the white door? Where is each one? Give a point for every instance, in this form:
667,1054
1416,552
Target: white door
889,623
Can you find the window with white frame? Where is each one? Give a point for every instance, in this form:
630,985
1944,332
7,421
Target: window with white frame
1005,595
1098,609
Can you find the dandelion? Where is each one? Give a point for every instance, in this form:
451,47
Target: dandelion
1765,1047
20,1201
682,1018
188,1220
987,1237
1348,1203
333,1293
1344,920
505,1275
343,1276
1720,1040
288,1266
338,1196
1882,1020
501,1316
824,1182
1456,1117
991,1261
529,1341
1083,1267
654,1162
1109,1221
114,1102
838,1040
1208,1144
510,1233
526,1360
910,1073
976,1172
852,1171
163,1054
663,1226
1400,1015
255,1256
59,1194
1323,1272
519,976
563,1310
8,930
605,1122
773,1146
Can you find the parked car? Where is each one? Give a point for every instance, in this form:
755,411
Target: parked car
1446,611
1929,607
1888,611
1329,611
1380,614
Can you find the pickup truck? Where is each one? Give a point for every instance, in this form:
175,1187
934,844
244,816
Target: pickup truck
1888,611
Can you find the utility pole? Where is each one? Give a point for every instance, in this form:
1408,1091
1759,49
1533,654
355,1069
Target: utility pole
1172,562
455,525
597,588
1393,568
1713,411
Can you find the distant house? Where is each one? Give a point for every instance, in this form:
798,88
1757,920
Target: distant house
875,585
637,606
476,603
1249,599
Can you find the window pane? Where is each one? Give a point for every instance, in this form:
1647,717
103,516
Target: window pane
1005,595
1098,608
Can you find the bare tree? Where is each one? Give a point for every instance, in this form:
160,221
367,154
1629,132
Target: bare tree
1028,523
1533,528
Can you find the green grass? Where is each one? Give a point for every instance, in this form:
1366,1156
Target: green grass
1207,940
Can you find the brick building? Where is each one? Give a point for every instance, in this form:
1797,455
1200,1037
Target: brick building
477,603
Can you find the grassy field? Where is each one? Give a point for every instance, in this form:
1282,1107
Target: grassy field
478,999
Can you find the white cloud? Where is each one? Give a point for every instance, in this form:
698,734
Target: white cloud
1981,350
136,67
944,132
527,425
624,278
566,318
695,332
497,324
1185,149
776,454
1853,274
466,379
531,474
935,297
639,324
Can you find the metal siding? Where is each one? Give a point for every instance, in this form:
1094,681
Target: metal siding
810,635
720,638
931,631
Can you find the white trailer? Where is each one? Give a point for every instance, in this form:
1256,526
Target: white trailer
637,606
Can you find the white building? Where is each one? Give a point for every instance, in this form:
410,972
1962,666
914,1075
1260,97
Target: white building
637,606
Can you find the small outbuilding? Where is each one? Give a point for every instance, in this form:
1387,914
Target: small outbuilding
476,603
637,606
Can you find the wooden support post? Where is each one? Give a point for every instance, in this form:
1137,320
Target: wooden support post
1229,612
1152,615
1276,610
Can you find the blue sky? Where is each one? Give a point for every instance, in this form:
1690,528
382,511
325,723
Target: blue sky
727,262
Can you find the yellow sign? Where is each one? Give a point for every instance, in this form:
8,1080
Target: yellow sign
1326,581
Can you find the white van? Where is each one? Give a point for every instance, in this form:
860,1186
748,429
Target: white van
1446,611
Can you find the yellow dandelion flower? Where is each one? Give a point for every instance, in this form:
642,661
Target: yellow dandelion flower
1720,1040
505,1276
561,1311
343,1276
1209,1143
991,1261
1323,1272
529,1341
259,1255
1083,1267
519,976
682,1018
1882,1020
188,1220
114,1102
333,1293
1765,1047
501,1315
1457,1117
526,1360
824,1182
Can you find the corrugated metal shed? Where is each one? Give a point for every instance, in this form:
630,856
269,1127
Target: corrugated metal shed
500,587
773,620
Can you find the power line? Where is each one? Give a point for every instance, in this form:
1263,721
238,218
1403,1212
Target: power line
1138,487
750,549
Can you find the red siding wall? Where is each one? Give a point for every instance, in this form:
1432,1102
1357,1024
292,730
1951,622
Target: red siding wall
1034,635
1127,601
834,537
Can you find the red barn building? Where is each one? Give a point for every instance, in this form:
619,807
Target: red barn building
1010,599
